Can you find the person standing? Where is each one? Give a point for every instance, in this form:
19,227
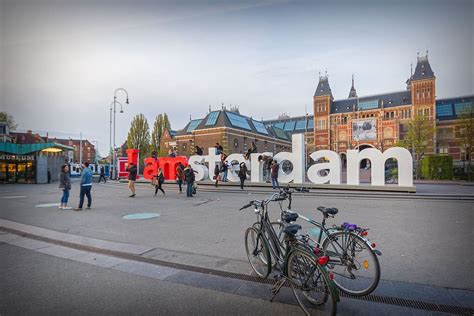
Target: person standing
242,174
180,176
199,151
102,174
160,179
219,149
216,174
274,173
132,177
86,186
189,178
225,170
65,185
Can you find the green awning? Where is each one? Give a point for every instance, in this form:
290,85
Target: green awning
22,149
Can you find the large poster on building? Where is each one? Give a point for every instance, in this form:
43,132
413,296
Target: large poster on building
364,129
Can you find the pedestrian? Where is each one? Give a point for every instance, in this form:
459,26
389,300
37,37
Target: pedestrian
65,186
219,149
86,186
199,151
132,177
102,174
251,150
216,174
274,173
189,178
160,179
225,170
172,153
180,176
267,165
242,174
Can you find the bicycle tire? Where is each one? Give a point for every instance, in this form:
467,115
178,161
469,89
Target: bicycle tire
371,279
311,285
258,252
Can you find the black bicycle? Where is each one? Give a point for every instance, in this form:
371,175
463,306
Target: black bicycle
352,257
299,267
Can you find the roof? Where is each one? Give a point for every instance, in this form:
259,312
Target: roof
452,108
21,149
387,100
230,119
423,69
291,125
323,87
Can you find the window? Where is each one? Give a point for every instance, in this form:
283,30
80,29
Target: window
310,124
444,110
192,125
289,126
238,120
260,127
443,150
463,108
300,124
212,118
279,125
236,142
368,105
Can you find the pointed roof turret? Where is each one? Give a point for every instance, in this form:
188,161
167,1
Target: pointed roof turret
423,69
323,86
353,92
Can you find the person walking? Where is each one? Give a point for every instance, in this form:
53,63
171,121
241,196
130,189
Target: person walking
225,170
65,186
86,186
180,176
189,178
132,177
275,169
217,171
102,174
160,179
242,174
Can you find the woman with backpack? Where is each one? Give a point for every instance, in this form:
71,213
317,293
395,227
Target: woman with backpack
160,179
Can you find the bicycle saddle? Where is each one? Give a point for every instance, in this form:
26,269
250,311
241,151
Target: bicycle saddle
289,217
291,229
328,210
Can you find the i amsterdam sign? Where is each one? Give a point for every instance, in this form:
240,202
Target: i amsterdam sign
333,164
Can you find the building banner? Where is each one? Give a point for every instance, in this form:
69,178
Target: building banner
364,129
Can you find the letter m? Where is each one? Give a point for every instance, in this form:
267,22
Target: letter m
377,162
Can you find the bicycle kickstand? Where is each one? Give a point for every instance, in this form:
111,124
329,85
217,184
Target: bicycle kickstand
277,286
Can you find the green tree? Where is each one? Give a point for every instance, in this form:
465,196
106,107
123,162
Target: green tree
139,136
466,128
418,139
8,118
161,123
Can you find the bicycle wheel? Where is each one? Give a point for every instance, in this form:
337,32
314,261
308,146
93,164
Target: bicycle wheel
312,287
355,266
257,252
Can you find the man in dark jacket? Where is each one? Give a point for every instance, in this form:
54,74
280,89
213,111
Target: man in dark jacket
132,177
242,174
189,178
275,170
102,174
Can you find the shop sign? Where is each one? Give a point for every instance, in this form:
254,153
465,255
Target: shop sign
17,157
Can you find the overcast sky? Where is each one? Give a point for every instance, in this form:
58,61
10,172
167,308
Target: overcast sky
60,60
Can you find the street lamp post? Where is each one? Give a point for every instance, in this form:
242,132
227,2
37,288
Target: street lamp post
111,149
121,111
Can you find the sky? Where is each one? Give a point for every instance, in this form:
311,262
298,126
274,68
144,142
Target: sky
62,60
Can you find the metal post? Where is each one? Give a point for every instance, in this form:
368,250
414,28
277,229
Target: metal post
121,111
110,143
80,150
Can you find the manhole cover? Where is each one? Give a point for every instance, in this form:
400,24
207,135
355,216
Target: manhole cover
141,216
47,205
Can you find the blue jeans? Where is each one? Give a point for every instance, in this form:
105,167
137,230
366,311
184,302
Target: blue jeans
224,177
85,190
180,182
65,196
275,183
189,189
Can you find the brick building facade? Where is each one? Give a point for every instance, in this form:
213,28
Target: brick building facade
88,149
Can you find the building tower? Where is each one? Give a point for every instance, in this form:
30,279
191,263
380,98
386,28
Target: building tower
353,92
423,92
322,106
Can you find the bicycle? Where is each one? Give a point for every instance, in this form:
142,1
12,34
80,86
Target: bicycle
301,268
352,257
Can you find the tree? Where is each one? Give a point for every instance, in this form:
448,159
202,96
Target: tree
139,136
467,136
8,118
161,123
418,138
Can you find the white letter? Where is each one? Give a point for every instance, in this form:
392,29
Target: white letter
377,163
334,166
296,157
197,163
212,159
256,173
232,174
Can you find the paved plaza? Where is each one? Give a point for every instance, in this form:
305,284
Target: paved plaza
425,238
